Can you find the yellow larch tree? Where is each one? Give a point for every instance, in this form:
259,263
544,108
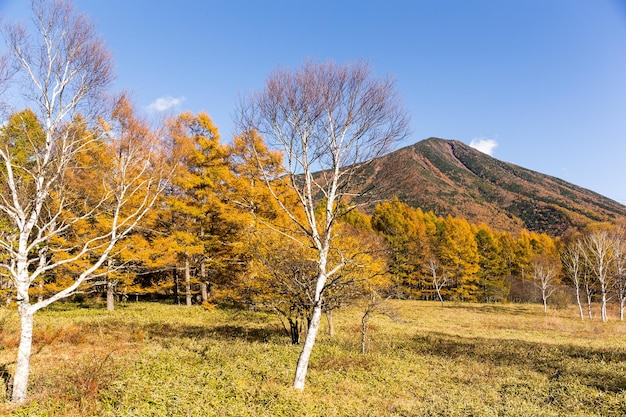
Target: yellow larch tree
458,254
198,225
405,231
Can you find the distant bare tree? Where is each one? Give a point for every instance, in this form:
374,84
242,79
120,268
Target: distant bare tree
618,249
331,119
373,304
587,279
62,72
440,279
573,261
545,275
599,258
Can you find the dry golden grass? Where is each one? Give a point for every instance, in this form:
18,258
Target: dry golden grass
459,360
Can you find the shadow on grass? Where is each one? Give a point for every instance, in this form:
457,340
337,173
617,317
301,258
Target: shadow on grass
222,332
510,309
598,368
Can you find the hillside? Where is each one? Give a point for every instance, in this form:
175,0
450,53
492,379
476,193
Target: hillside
449,177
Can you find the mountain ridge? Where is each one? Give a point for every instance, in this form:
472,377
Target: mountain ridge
449,177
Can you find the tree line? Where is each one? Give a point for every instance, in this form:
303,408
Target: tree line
217,234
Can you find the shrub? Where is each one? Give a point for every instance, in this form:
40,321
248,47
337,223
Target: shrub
560,300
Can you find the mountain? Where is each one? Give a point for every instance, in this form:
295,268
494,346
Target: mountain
451,178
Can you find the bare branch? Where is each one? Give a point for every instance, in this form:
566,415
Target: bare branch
66,196
331,119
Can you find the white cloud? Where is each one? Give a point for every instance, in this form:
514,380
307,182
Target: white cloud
484,145
162,104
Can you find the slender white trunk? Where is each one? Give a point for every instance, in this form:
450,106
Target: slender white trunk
309,342
110,295
110,287
22,368
314,324
187,281
589,307
580,306
440,297
621,309
40,296
605,317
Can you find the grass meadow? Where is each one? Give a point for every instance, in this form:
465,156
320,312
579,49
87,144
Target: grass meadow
150,359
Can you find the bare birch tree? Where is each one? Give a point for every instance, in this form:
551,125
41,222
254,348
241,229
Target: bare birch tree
597,249
572,260
587,280
62,71
330,119
618,248
440,278
545,276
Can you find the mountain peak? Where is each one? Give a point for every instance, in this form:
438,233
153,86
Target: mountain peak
449,177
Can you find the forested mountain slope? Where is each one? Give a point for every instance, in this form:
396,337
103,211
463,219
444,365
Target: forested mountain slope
449,177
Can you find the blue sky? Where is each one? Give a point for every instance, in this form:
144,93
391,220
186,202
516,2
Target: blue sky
542,83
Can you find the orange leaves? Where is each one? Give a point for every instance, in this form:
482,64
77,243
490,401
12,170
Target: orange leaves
254,166
475,259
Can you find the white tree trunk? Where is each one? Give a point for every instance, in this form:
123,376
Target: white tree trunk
40,296
580,306
314,325
605,316
309,342
440,297
110,296
22,368
187,281
26,312
110,286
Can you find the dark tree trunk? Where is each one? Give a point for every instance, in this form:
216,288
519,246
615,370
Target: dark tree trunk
364,327
176,292
203,282
294,330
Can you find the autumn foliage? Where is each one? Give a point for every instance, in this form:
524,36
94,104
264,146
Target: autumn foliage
218,236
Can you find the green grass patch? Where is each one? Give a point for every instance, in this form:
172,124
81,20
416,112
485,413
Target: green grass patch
460,360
